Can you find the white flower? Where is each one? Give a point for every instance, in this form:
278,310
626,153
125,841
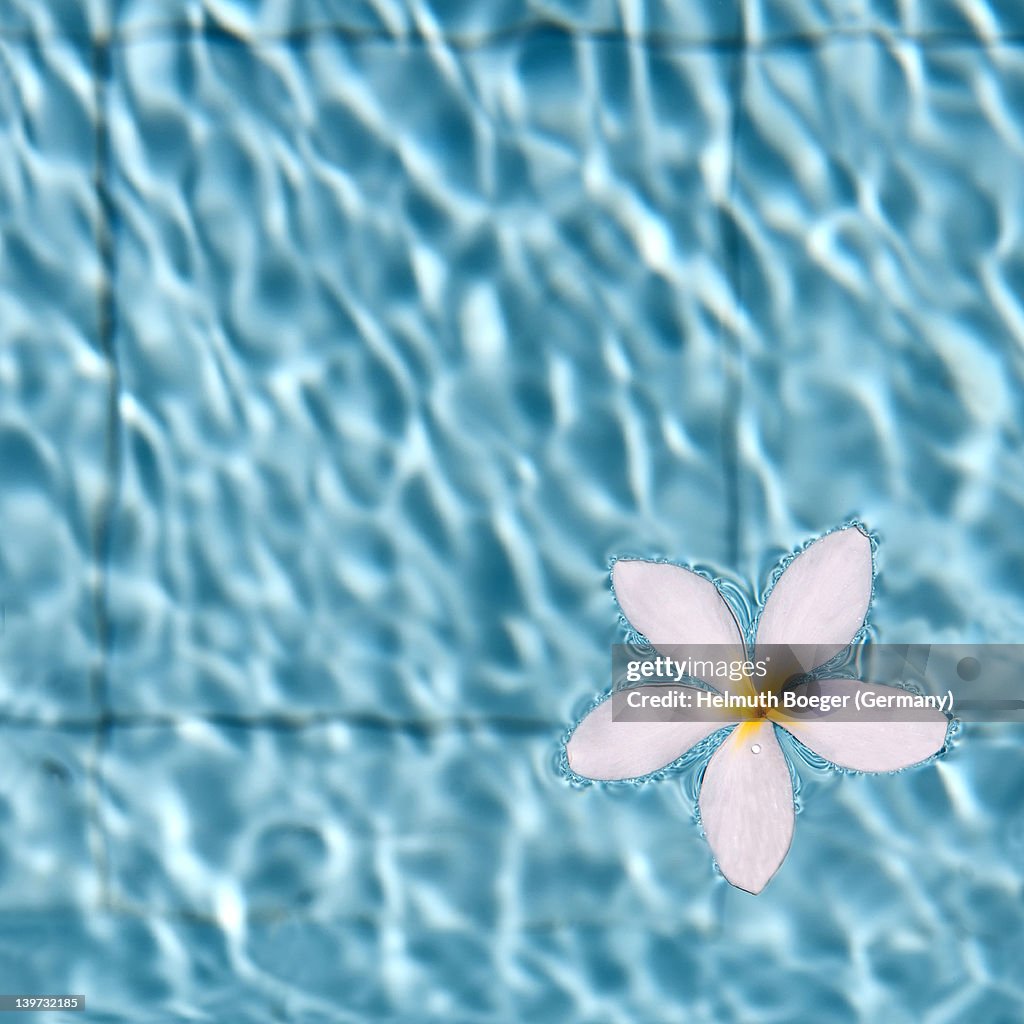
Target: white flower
746,799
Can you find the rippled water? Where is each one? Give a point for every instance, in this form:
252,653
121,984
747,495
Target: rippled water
343,344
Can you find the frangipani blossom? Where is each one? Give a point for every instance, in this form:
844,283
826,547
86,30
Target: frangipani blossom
819,602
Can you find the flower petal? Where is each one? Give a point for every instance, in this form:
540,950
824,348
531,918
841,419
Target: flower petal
746,805
671,605
605,749
865,743
821,599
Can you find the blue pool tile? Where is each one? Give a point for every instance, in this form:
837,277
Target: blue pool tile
884,246
55,383
213,820
338,469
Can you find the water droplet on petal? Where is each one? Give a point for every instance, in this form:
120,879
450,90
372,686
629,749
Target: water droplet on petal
756,748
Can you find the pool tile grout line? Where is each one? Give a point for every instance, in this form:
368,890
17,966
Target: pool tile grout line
730,341
284,722
101,64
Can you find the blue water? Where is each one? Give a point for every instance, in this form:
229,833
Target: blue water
342,344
